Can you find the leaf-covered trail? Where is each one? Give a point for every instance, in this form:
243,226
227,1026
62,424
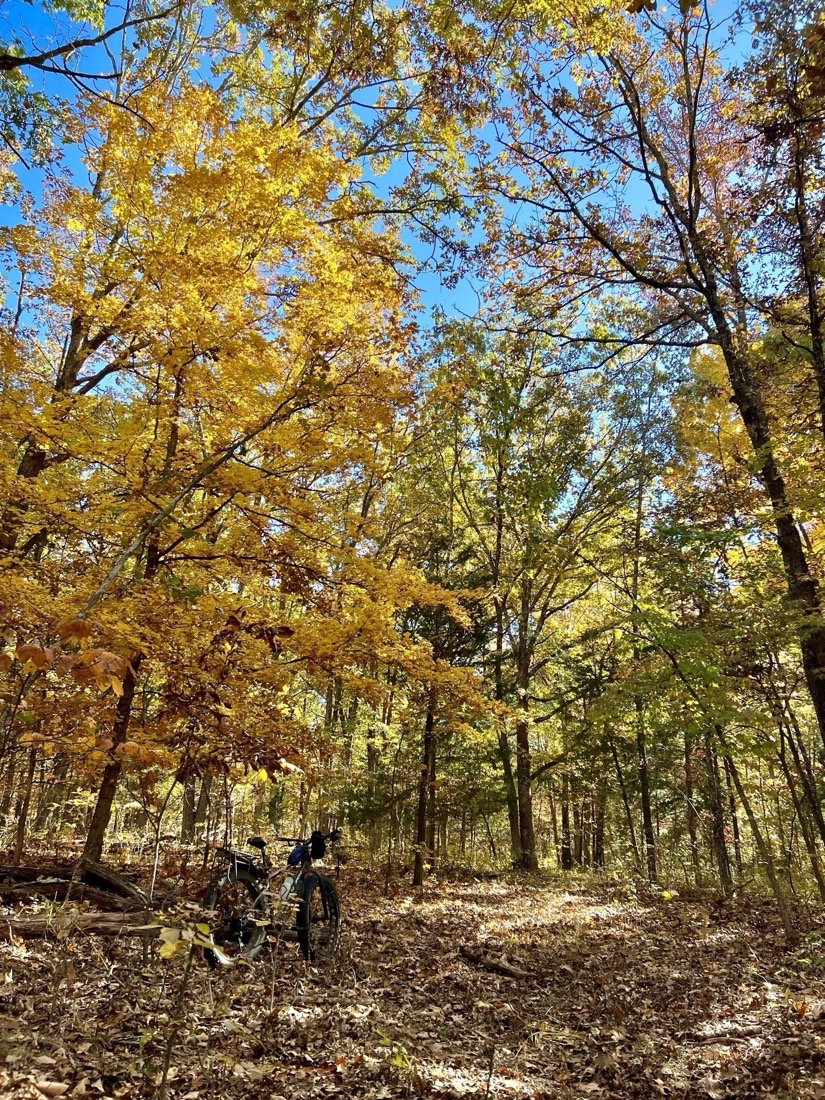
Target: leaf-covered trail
504,988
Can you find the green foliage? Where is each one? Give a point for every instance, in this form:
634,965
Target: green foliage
81,11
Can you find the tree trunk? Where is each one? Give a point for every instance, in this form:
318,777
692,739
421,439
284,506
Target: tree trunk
802,587
644,790
734,820
187,817
55,792
807,778
111,773
718,842
23,807
692,815
554,824
566,847
504,750
578,834
8,790
506,757
423,791
598,827
801,812
628,812
202,807
529,859
766,856
431,801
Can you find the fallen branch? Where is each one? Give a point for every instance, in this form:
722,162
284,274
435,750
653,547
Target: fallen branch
59,925
86,873
730,1035
61,890
96,874
30,874
489,962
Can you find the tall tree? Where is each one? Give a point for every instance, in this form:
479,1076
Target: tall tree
659,196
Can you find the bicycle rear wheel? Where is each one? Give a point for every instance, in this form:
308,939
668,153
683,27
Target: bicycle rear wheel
241,915
319,919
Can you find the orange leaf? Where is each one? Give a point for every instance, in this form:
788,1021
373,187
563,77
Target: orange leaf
77,628
39,657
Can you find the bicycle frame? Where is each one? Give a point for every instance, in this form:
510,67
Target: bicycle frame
274,891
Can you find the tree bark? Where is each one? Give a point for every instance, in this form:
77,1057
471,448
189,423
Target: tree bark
806,776
766,855
504,751
423,791
511,795
529,859
111,773
718,842
566,847
187,818
431,801
598,827
802,814
23,808
628,812
734,820
692,815
644,791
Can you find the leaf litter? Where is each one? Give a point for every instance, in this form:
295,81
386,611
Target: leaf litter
509,988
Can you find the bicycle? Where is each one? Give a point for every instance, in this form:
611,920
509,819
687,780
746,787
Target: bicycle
247,895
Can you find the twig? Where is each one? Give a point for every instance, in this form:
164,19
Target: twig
163,1088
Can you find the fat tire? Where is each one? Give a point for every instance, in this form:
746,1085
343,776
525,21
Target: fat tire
255,934
319,919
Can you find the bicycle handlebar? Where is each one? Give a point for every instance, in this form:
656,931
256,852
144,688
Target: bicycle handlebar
333,836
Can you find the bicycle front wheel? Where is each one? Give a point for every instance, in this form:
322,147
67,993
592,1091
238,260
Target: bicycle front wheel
319,919
241,916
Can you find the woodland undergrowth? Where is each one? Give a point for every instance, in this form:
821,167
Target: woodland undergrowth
499,987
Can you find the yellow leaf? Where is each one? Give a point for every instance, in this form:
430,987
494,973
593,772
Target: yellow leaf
167,950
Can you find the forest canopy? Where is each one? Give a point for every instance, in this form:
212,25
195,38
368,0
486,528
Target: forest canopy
412,416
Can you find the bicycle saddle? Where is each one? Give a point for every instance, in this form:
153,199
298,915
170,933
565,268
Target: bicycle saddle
257,842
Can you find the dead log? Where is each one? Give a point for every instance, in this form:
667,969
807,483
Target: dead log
96,874
59,890
86,871
60,925
29,874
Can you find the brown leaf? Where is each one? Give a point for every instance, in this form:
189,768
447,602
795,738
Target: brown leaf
83,676
76,628
65,662
51,1088
41,658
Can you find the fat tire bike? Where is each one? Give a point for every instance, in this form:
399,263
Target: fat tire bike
251,902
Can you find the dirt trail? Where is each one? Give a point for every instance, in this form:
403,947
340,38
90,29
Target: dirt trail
504,988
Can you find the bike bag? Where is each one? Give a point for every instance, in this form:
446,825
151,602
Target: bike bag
317,845
299,854
240,859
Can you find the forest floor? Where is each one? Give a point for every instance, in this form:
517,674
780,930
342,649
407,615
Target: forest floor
613,991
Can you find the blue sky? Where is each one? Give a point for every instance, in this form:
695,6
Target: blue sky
34,27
